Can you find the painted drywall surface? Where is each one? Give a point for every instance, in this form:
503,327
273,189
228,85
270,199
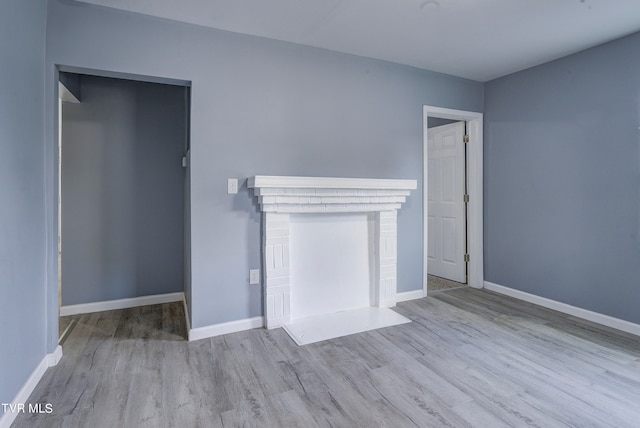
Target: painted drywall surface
260,106
71,81
22,211
562,180
436,121
122,191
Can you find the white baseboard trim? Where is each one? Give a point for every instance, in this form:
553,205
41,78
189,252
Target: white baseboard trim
110,305
49,360
409,295
585,314
54,358
225,328
186,313
258,322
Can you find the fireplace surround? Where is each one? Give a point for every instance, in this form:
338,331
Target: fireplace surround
280,197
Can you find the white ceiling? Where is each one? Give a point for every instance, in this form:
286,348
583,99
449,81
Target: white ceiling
475,39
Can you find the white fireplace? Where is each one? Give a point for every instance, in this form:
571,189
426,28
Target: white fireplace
354,222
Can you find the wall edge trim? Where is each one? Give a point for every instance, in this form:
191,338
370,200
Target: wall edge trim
213,330
225,328
409,295
186,313
596,317
109,305
49,360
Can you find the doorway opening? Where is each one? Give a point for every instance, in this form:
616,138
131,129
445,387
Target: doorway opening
446,214
122,194
453,225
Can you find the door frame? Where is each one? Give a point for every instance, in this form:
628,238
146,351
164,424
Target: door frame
474,175
53,114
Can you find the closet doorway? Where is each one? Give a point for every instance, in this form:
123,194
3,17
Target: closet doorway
447,176
123,189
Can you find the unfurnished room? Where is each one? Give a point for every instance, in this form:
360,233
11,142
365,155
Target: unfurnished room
341,213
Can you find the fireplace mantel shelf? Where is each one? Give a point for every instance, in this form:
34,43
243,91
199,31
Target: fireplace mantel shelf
329,194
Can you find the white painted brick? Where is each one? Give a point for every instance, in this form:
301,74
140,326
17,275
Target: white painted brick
285,257
347,192
277,224
266,191
312,208
388,227
286,308
279,305
273,281
388,271
392,192
386,199
388,221
279,240
277,257
338,200
268,257
293,199
279,275
392,215
326,192
277,217
275,232
267,199
278,289
333,208
386,207
270,303
277,203
301,192
278,309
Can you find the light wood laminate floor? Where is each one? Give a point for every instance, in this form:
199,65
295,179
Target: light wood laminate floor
435,283
469,358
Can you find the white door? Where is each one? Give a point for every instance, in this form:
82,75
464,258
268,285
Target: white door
446,233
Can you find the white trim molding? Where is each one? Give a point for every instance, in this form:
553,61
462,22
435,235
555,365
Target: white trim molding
110,305
186,313
585,314
291,182
258,322
225,328
475,277
54,358
278,194
280,197
49,360
409,295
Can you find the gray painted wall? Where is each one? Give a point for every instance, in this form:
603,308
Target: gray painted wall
562,180
23,243
432,122
71,81
260,106
122,191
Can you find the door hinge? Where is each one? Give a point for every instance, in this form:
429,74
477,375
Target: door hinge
466,198
466,258
465,139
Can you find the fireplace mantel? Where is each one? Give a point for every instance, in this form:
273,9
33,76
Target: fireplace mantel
329,194
280,197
